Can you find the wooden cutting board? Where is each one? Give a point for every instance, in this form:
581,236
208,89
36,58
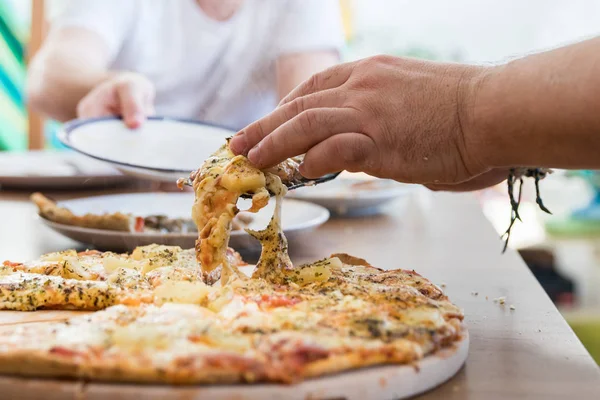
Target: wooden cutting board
25,317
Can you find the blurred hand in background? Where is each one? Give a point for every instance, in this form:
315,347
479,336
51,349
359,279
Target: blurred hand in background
126,94
224,62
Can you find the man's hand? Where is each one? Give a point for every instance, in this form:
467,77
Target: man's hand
125,94
448,126
387,116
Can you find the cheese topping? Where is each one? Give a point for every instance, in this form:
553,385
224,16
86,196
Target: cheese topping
274,258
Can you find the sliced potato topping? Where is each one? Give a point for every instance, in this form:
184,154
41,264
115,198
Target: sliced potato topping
115,262
74,269
125,277
316,273
58,256
240,176
156,251
182,292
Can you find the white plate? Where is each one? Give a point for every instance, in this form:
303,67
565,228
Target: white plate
297,217
161,149
55,169
353,194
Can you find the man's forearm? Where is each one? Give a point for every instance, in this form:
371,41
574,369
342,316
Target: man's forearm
539,111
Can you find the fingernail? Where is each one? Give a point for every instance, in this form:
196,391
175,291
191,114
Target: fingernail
135,120
238,143
301,169
306,172
133,123
254,156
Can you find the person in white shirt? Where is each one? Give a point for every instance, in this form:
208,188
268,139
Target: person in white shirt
227,62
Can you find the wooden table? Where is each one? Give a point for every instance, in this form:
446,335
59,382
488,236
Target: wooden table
529,352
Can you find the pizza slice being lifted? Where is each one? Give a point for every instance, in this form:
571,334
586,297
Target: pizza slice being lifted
218,184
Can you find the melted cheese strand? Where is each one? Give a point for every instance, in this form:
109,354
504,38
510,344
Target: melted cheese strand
274,259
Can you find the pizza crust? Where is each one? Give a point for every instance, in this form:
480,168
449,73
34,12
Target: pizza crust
51,211
42,364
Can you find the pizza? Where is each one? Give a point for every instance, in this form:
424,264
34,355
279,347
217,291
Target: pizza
198,316
124,222
333,315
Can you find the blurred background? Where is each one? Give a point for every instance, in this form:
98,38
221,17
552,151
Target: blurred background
562,251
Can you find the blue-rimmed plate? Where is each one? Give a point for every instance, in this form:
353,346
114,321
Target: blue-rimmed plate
162,149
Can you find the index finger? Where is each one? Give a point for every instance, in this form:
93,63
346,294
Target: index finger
327,79
131,100
254,133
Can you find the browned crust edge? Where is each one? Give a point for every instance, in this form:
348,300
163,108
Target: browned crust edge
43,364
49,210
